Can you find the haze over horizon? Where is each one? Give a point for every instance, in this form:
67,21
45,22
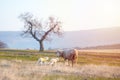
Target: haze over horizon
70,39
74,14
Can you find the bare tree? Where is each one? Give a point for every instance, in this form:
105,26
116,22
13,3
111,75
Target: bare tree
41,30
3,45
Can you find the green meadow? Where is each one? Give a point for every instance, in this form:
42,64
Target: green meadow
92,65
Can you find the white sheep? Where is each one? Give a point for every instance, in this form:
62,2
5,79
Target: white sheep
42,60
53,61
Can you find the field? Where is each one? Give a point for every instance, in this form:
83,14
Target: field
92,65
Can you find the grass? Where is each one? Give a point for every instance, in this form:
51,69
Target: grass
75,77
92,65
99,57
30,55
28,70
85,57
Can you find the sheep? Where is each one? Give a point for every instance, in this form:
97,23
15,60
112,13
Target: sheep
42,60
69,54
53,61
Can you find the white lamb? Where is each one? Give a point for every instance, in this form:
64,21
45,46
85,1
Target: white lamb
53,61
42,60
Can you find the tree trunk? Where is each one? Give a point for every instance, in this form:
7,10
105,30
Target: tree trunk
41,46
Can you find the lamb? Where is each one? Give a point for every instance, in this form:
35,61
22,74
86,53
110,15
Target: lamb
69,54
42,60
53,61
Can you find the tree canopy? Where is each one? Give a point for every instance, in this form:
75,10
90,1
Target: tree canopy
41,30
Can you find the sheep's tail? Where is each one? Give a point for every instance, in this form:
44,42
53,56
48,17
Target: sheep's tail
75,57
76,52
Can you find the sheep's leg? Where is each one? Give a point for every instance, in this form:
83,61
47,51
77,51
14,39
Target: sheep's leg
72,63
75,61
38,61
41,63
68,62
64,61
53,64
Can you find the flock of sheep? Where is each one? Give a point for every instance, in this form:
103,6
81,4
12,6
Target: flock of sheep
46,61
68,54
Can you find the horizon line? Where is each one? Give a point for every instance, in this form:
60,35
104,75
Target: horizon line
71,30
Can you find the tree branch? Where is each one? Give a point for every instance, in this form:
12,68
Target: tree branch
45,35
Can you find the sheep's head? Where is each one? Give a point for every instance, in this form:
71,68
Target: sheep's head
46,58
59,53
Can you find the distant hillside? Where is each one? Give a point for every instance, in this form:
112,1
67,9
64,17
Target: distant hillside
88,38
113,46
70,39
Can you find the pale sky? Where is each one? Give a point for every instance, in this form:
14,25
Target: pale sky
74,14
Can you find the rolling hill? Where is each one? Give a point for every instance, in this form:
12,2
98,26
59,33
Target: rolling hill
112,46
70,39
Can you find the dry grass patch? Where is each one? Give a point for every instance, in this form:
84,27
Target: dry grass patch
28,70
107,57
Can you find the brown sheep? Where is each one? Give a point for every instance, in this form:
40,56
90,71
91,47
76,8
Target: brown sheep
70,55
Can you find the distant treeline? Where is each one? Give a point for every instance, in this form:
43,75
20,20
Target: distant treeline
3,45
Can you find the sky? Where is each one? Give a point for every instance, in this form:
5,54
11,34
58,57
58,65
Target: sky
74,14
